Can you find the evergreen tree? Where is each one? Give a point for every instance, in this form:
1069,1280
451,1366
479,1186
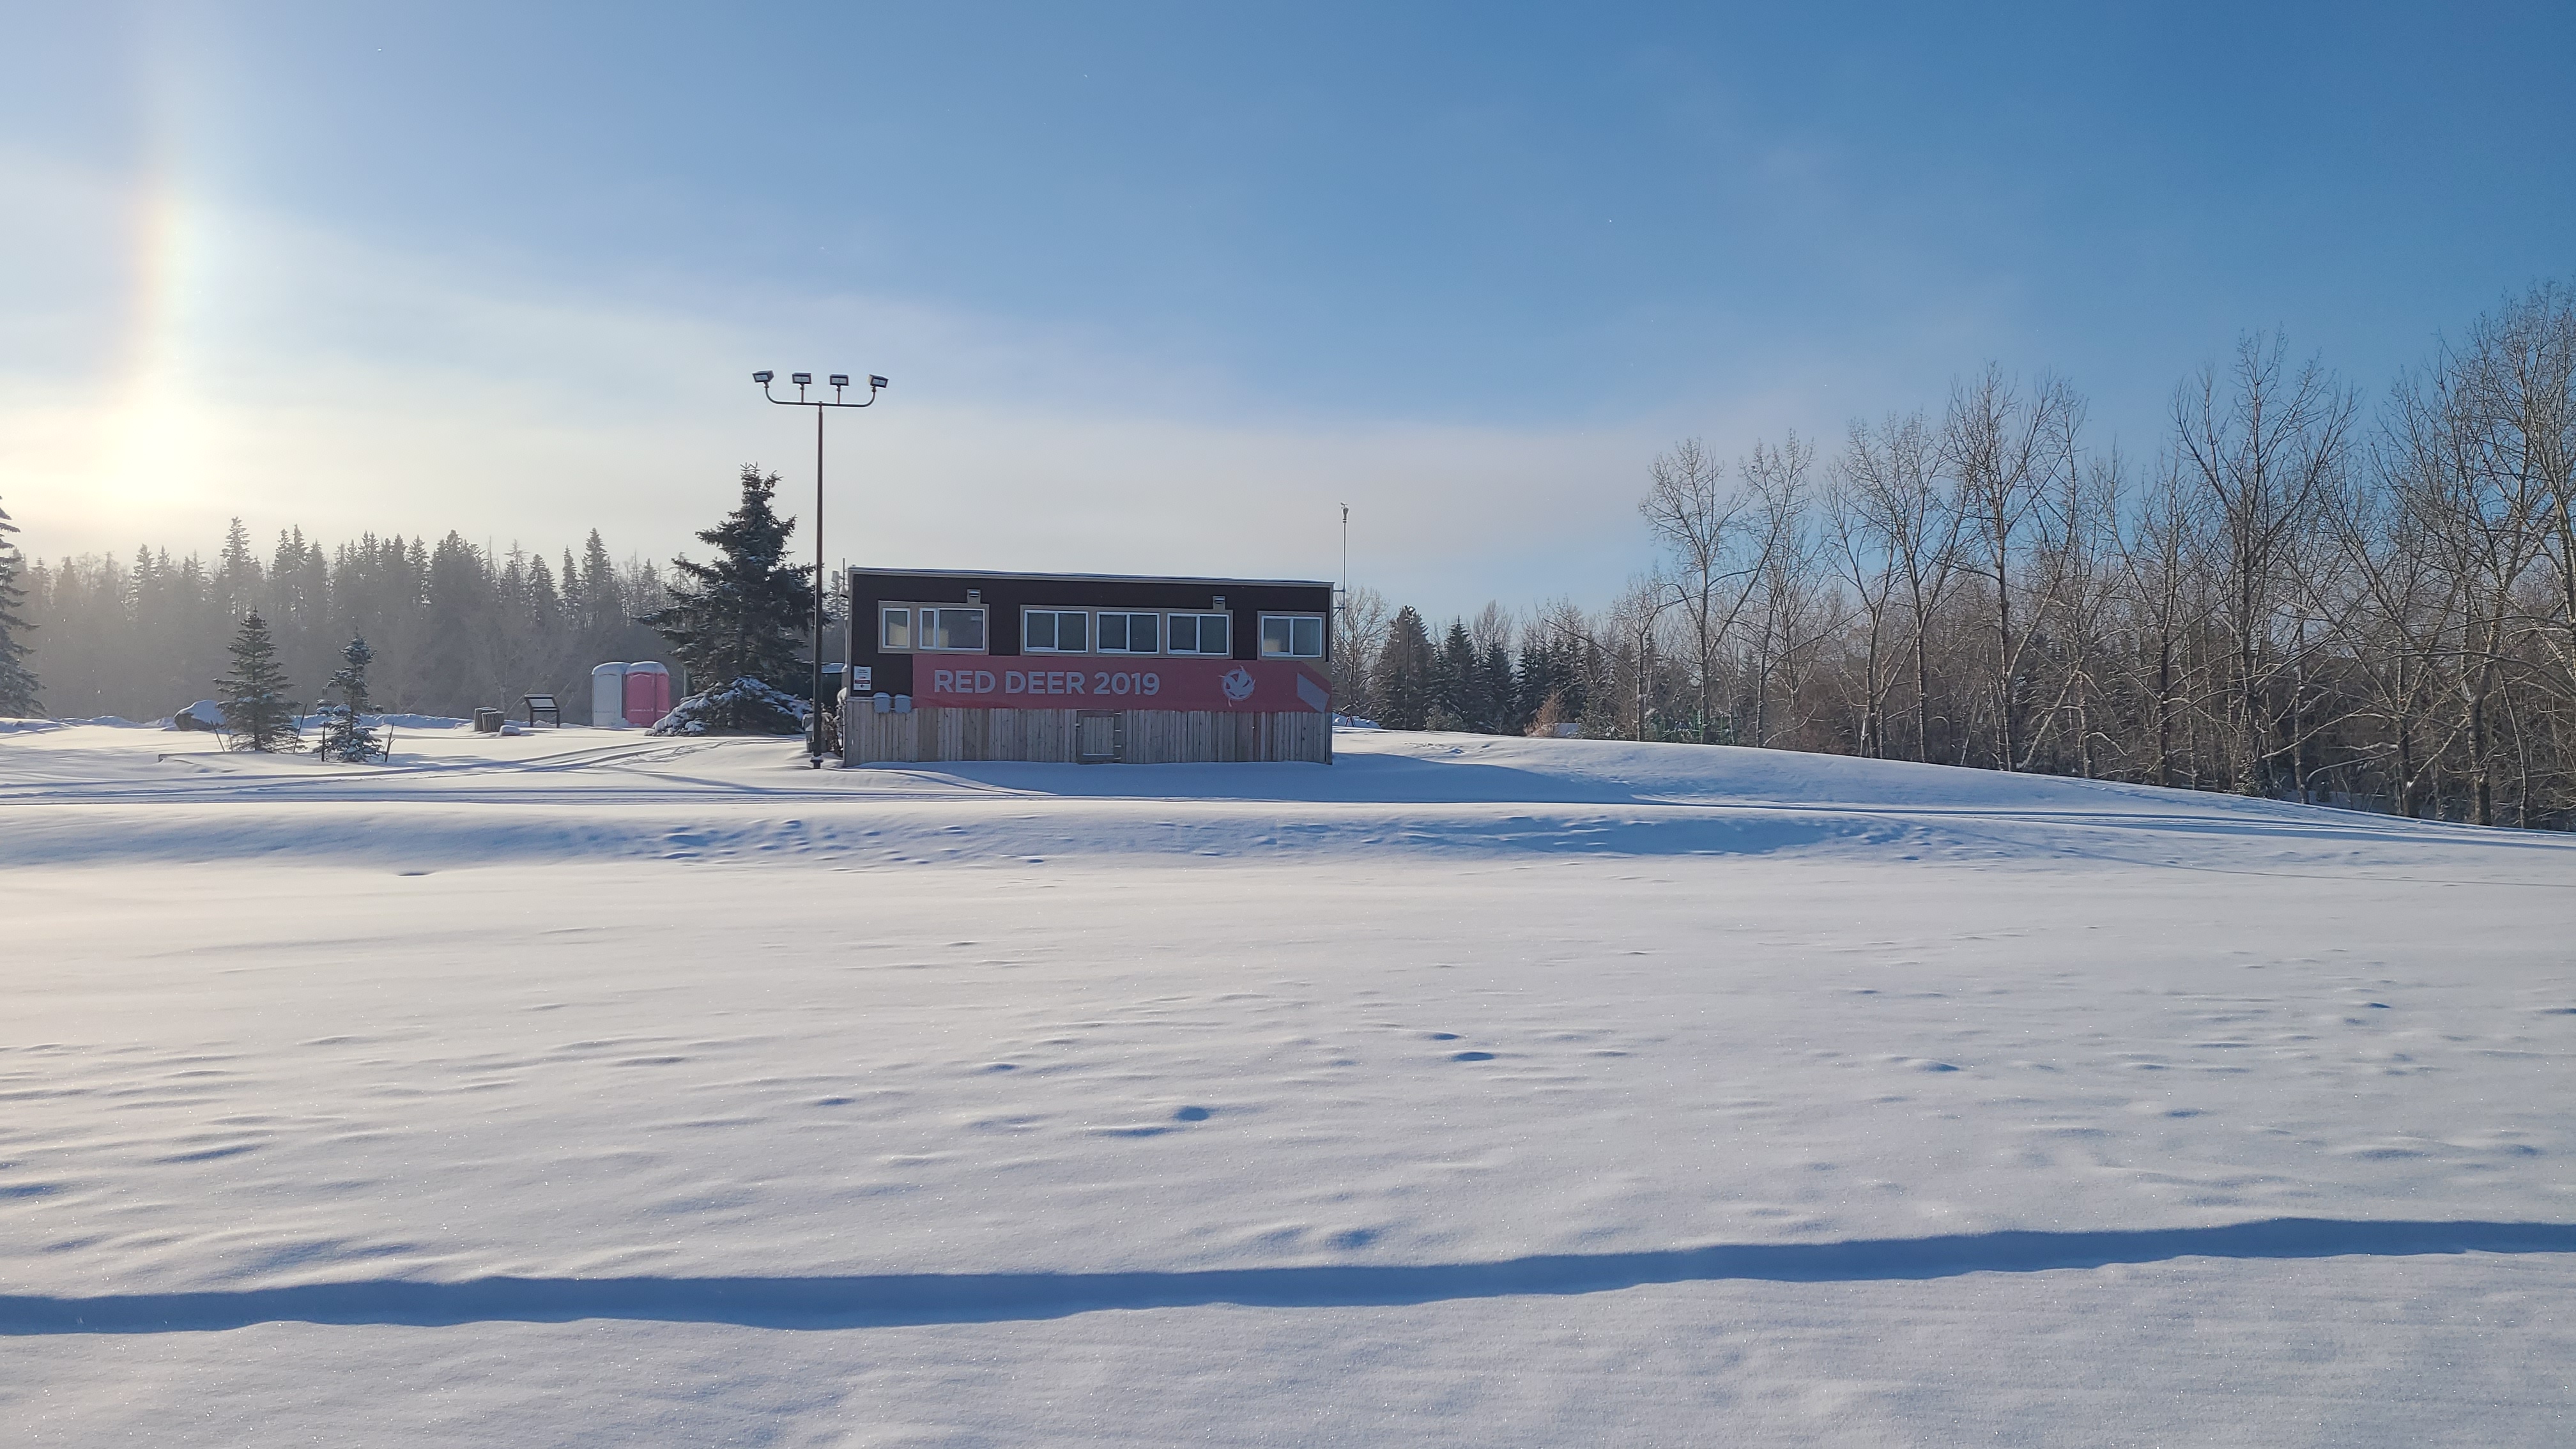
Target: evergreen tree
545,606
1551,669
299,604
456,668
139,632
254,694
17,681
602,611
237,575
1494,713
740,616
1402,681
346,735
1453,681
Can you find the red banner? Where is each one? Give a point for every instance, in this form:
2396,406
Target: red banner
1038,681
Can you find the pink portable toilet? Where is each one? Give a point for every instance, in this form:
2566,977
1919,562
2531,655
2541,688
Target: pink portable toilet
608,695
648,693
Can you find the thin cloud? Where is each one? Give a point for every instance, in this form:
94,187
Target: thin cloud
289,375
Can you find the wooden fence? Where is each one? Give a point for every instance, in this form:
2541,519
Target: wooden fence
1070,736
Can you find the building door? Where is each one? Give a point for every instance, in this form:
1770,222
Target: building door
1099,736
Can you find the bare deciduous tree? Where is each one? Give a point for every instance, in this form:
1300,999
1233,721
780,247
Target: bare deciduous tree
2267,445
1862,543
1713,555
1788,609
2003,452
1360,619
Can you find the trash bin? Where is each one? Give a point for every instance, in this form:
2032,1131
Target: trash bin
487,721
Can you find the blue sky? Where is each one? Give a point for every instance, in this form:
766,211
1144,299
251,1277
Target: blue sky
1161,286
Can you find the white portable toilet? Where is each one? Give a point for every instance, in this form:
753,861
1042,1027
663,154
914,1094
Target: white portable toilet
608,695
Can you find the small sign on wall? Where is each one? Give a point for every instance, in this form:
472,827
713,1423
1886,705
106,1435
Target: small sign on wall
862,679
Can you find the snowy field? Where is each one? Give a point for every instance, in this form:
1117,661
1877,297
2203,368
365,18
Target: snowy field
586,1089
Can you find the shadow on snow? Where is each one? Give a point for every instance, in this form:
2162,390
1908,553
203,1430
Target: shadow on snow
920,1298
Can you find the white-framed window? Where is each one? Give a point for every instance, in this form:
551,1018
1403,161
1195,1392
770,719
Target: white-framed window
1055,631
1292,636
951,628
930,628
1202,634
1120,631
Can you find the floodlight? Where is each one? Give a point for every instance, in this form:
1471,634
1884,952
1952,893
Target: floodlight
840,379
763,377
800,378
875,382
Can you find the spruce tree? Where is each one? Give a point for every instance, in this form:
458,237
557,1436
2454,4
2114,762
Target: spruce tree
1453,681
346,735
1495,692
1552,669
237,574
1403,677
254,694
17,682
740,616
602,611
455,666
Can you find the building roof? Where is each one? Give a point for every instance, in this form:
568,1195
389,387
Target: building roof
1095,578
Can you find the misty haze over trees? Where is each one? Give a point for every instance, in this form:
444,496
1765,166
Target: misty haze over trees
2300,593
451,625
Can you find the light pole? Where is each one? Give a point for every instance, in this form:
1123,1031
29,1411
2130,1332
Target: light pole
839,382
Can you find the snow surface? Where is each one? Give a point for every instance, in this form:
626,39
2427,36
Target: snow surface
578,1087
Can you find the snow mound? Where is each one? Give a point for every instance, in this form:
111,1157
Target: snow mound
205,714
27,726
744,707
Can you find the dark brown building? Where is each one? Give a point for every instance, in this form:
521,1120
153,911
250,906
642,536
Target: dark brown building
1087,667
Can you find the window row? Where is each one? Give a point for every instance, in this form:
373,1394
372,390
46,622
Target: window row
1123,631
959,629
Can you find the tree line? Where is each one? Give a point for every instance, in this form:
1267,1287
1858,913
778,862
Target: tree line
443,627
2299,595
450,625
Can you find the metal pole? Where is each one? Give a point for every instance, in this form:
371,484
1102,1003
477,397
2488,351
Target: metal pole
816,756
814,744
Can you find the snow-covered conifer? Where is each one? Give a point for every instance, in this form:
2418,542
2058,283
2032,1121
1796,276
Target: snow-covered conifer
741,615
346,735
254,694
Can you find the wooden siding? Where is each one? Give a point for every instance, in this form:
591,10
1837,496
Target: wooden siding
1147,736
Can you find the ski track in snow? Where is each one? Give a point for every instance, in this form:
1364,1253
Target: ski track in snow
591,1088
